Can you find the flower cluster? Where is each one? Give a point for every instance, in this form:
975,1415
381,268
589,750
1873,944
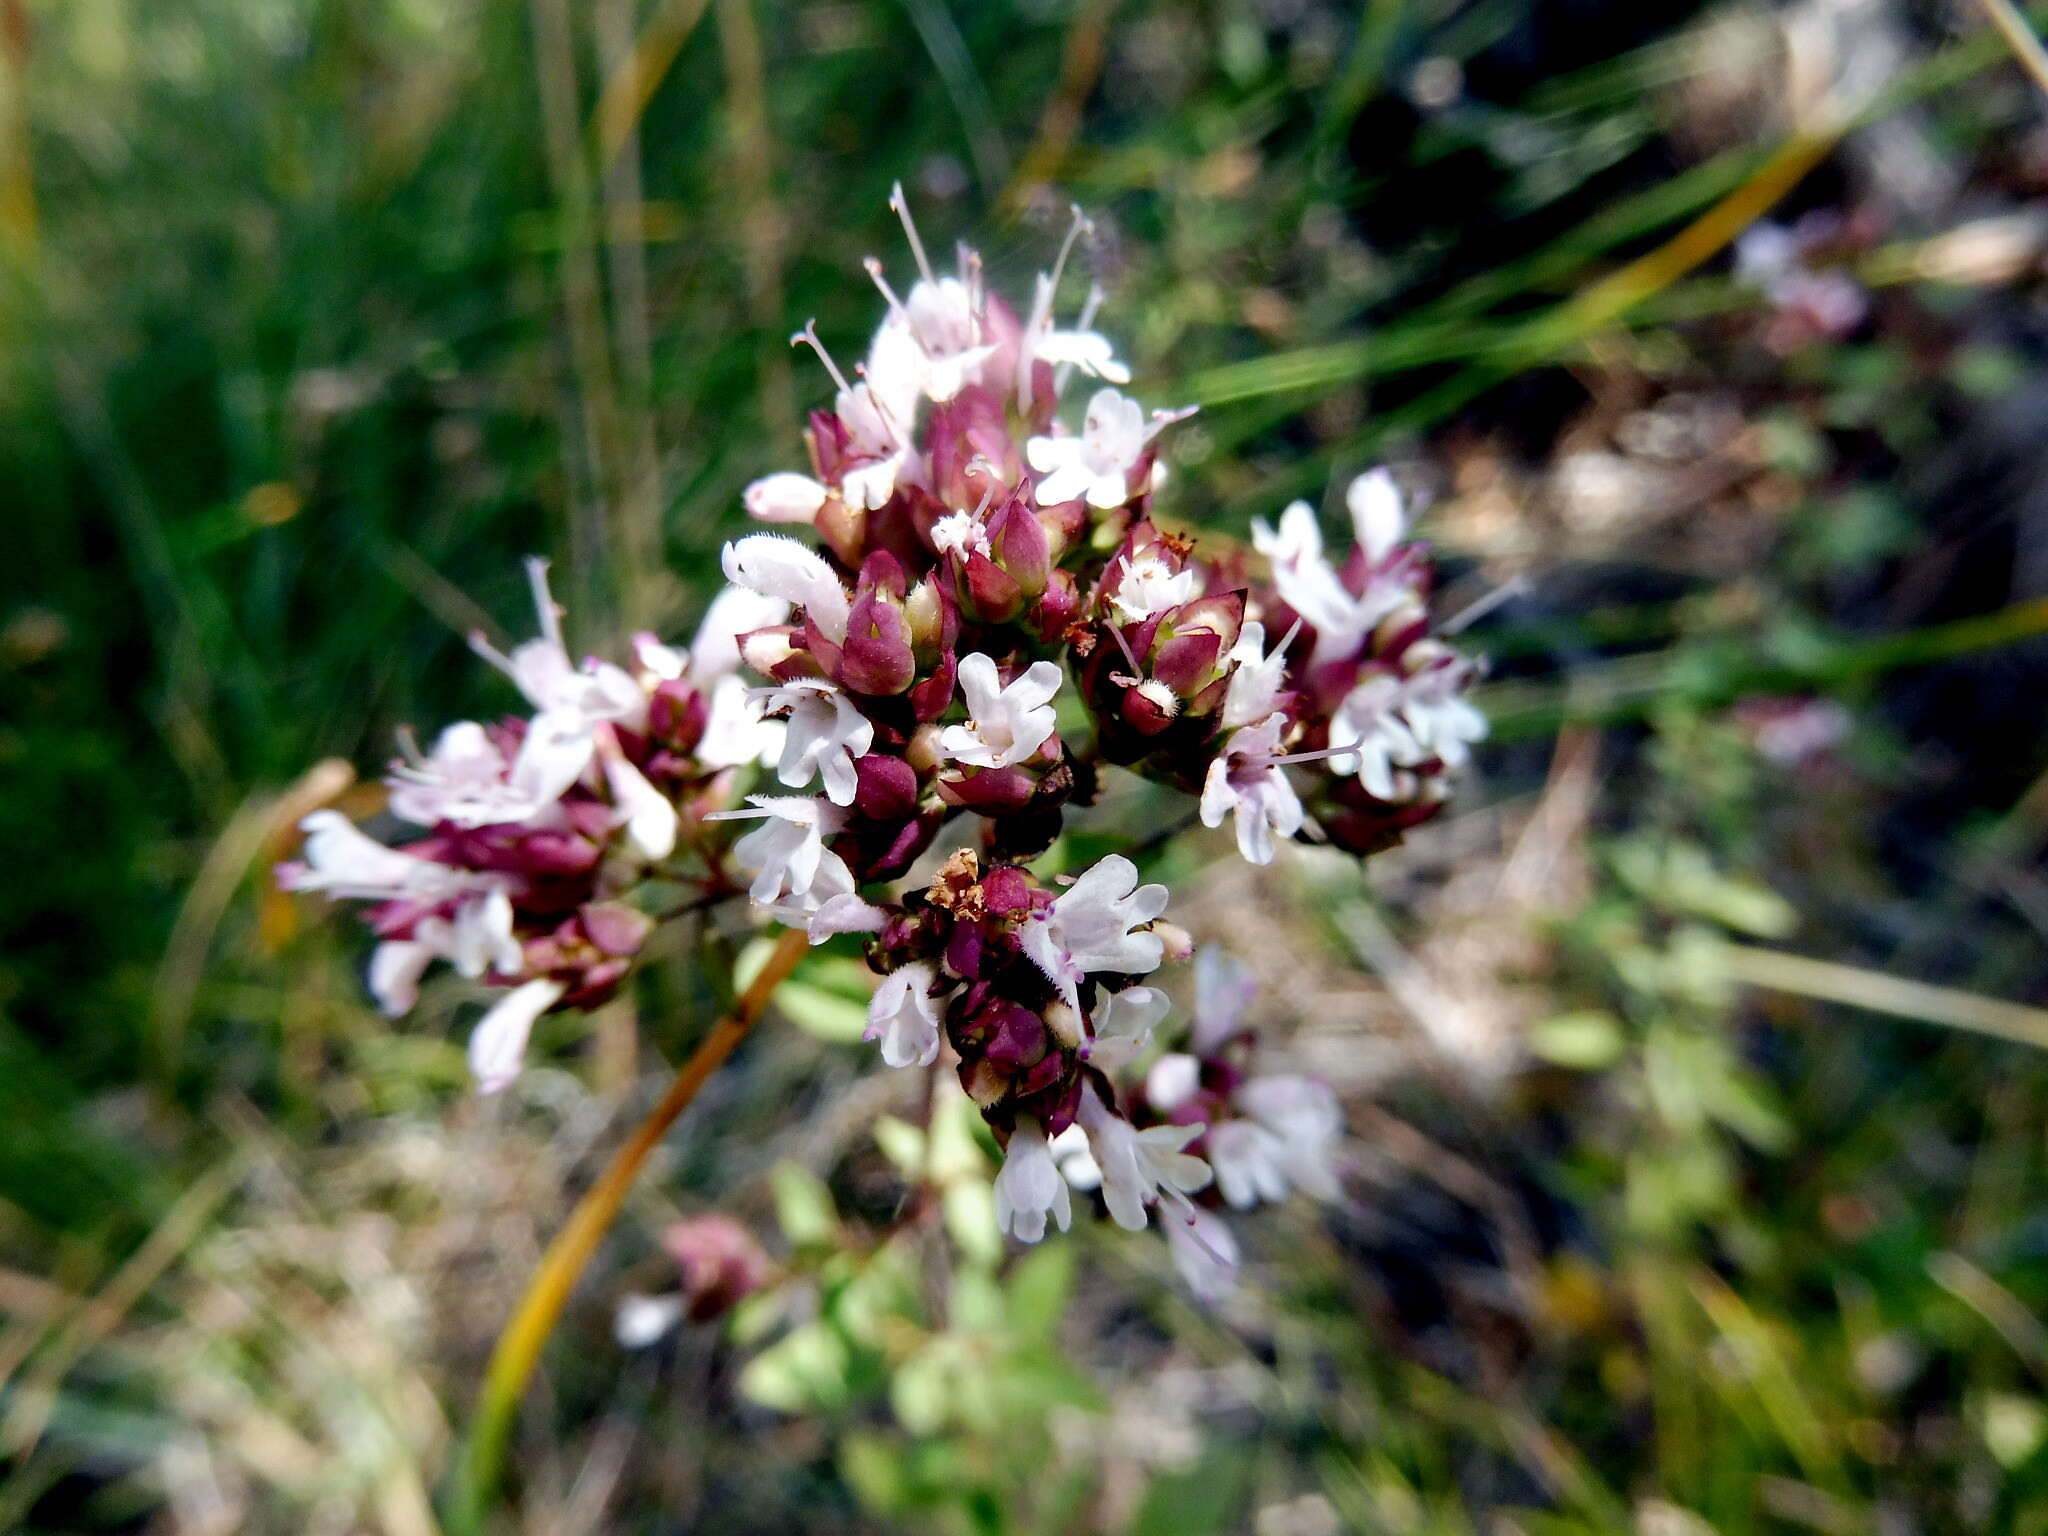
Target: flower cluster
989,620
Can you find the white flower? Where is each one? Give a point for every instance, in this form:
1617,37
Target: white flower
1302,1116
942,317
466,781
497,1046
1139,1167
1148,585
1089,928
477,939
1255,679
650,816
1005,725
785,497
1123,1026
735,730
1377,516
1309,585
902,1018
1097,465
777,566
961,534
597,693
736,611
1223,990
344,862
1246,782
825,733
1204,1250
844,912
787,853
1249,1162
644,1320
1089,351
1443,720
1030,1188
1371,723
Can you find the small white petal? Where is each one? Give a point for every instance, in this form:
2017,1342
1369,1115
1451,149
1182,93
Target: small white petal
784,498
497,1046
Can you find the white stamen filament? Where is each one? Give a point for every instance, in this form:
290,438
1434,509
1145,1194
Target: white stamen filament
901,205
808,336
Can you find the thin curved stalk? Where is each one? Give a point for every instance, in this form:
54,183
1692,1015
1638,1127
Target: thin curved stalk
519,1346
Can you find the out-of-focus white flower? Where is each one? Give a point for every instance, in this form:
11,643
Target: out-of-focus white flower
902,1018
1303,1117
823,736
784,497
644,1320
1030,1188
1255,677
650,817
477,939
466,781
1005,725
1089,928
1089,351
497,1046
1377,516
777,566
1309,584
1249,1161
1247,782
1371,724
1124,1022
736,611
1441,716
1139,1168
342,861
1223,990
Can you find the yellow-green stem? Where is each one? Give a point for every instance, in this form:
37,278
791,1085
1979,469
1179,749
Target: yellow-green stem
519,1346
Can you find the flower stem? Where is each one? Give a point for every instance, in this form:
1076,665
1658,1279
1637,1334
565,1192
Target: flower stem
519,1346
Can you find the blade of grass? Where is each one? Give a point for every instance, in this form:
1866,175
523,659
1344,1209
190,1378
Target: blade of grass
1831,982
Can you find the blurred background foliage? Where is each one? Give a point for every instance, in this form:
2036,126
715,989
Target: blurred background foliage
318,315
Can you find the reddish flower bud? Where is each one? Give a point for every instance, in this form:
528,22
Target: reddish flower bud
1017,542
988,594
876,658
721,1264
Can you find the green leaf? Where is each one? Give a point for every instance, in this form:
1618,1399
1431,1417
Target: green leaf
1585,1041
802,1372
803,1206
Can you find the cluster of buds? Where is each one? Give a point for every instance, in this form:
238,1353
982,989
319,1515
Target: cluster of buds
989,620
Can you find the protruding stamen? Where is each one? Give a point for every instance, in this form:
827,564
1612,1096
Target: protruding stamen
1080,226
1116,633
808,337
901,204
480,644
875,271
1479,608
1284,758
544,601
